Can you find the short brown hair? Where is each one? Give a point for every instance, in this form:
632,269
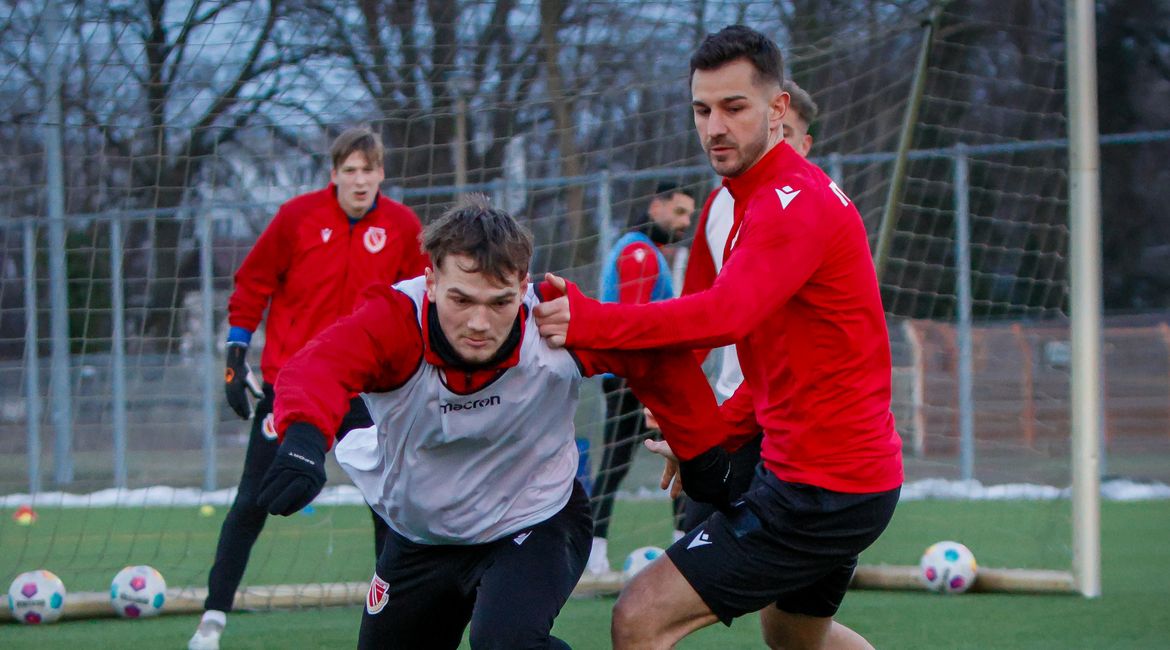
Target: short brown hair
355,140
500,246
740,42
802,102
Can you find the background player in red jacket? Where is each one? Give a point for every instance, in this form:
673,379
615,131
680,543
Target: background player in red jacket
472,461
703,265
636,270
799,297
307,269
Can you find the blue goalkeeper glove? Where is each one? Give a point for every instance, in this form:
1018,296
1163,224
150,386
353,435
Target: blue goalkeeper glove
297,474
707,477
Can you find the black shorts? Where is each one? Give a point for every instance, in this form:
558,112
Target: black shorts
510,590
788,544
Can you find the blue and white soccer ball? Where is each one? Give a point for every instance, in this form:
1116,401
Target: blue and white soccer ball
36,597
138,592
639,559
948,567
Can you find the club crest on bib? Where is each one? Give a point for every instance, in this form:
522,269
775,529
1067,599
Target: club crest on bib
374,239
377,596
268,427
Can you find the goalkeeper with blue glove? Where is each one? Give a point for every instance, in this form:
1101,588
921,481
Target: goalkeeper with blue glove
306,270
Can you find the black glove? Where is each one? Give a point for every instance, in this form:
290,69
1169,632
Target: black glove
707,477
235,378
297,474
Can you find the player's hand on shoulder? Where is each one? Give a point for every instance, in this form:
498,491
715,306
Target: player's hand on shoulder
552,314
297,474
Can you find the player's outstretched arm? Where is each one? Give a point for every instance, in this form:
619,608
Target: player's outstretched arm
376,348
773,258
672,385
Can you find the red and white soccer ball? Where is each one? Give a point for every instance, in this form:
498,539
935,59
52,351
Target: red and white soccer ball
639,559
36,597
948,567
138,592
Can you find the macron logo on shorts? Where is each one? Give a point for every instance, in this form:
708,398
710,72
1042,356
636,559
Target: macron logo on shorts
519,539
378,595
702,539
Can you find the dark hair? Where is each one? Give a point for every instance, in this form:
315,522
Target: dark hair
666,189
500,246
802,102
740,42
357,140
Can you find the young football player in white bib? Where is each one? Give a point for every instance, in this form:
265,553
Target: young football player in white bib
471,459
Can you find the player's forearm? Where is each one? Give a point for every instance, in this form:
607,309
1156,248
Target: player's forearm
772,262
697,321
301,404
315,385
259,275
672,385
247,303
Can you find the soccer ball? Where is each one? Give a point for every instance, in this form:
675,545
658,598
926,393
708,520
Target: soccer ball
948,567
639,559
138,592
36,597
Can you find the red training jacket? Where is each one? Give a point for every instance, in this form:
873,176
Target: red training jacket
309,266
798,294
381,345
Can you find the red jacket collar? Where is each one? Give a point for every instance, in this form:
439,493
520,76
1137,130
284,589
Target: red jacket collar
764,171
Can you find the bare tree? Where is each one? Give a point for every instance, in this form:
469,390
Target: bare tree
153,91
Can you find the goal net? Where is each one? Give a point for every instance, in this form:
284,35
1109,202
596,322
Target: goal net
131,196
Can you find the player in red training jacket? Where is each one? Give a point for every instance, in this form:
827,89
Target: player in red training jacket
307,269
704,263
798,296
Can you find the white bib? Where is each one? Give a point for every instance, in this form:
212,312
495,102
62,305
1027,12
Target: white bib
446,468
719,219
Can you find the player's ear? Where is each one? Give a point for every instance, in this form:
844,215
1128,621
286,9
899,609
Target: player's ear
777,108
431,281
